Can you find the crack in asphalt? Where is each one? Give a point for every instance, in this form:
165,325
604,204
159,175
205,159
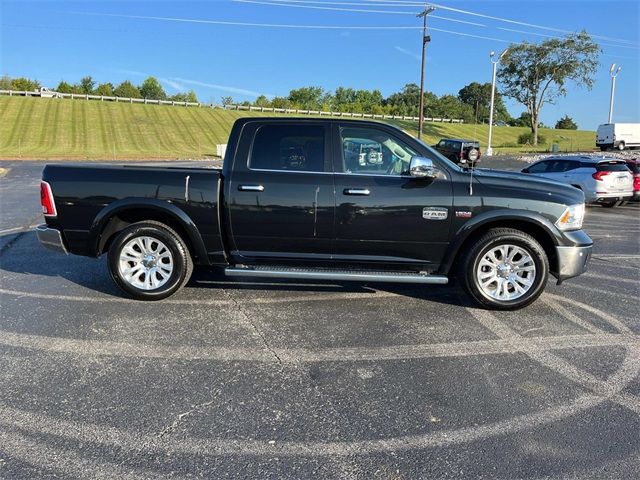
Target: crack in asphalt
253,326
18,236
170,428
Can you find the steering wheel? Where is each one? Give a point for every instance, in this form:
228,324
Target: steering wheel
391,166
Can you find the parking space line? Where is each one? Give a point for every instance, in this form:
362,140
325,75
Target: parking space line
134,441
614,294
570,316
615,383
305,355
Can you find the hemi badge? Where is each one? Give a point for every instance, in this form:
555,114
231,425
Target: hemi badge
435,213
463,214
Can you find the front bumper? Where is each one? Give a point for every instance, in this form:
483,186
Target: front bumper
572,261
51,238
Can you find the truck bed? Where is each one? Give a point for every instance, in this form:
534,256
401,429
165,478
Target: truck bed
87,196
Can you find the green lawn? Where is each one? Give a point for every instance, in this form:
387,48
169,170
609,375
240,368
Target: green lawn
39,128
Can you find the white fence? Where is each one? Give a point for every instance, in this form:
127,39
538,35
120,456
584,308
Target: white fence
104,98
339,114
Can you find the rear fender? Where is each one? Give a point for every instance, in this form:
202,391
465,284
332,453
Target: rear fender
97,240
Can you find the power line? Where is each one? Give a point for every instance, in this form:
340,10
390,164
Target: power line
303,4
274,25
561,37
337,9
500,19
251,24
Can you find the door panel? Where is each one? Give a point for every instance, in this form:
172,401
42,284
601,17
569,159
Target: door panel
281,194
380,214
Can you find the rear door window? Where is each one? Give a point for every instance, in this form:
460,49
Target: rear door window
540,167
297,148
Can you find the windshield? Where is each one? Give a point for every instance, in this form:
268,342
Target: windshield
440,157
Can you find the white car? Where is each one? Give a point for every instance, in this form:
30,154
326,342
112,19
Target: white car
618,135
604,180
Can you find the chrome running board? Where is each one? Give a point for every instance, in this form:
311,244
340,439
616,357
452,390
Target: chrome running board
340,275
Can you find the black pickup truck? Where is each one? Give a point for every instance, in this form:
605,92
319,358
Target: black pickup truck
296,199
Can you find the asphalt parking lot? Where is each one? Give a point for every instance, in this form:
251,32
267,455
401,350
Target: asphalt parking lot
264,379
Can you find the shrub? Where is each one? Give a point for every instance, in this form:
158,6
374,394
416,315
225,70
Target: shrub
527,139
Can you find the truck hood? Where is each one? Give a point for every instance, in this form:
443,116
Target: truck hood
552,190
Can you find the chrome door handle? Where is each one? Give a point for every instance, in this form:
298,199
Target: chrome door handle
357,191
251,188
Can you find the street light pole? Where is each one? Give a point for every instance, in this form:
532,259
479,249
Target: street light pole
493,90
614,73
425,39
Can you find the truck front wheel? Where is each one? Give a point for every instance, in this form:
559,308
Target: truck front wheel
149,261
505,269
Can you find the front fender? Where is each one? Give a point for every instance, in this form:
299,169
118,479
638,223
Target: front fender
161,206
497,218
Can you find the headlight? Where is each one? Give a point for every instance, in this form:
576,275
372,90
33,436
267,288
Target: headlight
572,218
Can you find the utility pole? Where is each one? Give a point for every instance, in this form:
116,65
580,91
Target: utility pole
425,39
493,92
614,73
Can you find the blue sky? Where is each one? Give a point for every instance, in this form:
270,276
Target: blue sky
117,40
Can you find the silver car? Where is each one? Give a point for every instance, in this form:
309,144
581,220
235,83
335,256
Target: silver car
604,180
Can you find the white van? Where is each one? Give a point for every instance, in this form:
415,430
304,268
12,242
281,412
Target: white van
618,135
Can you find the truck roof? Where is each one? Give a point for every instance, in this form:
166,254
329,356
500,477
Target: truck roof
243,120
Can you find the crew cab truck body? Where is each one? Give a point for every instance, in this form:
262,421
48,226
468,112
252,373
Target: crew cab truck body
291,202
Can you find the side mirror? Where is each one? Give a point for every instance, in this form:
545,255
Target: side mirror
421,167
525,170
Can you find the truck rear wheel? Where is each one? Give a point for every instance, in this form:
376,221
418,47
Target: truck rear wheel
505,269
149,261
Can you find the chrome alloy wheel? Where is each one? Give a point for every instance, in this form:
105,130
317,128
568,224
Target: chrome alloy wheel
145,263
506,272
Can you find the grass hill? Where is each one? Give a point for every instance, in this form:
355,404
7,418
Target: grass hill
47,128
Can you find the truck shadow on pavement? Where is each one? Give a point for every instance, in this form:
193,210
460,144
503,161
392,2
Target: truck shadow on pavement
21,254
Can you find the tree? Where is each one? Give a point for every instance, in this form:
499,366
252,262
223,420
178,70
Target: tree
307,98
5,82
189,96
535,74
24,84
478,96
64,87
87,84
226,101
566,123
262,101
105,89
152,89
405,102
450,106
127,90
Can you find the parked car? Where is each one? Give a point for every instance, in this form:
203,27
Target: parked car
604,180
618,135
634,166
459,150
500,123
422,219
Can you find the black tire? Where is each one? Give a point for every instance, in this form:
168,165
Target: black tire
182,261
469,264
604,149
621,146
611,204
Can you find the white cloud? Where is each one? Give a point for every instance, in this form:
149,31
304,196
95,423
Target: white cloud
223,88
408,52
175,85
